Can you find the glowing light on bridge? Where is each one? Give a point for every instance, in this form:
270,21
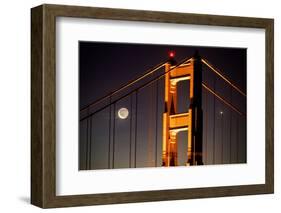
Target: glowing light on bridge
172,54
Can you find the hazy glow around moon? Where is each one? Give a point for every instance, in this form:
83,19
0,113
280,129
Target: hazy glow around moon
123,113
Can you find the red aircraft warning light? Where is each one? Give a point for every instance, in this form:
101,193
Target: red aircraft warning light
172,54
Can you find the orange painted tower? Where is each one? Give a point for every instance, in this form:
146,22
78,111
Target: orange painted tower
190,121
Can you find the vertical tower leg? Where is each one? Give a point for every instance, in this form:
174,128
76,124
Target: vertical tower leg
173,134
189,140
169,155
173,149
166,136
165,140
196,114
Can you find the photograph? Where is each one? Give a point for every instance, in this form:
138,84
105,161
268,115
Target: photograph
125,100
160,105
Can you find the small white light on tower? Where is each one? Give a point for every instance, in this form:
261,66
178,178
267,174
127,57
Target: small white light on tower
221,112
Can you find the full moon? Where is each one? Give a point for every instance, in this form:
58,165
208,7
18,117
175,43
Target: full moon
123,113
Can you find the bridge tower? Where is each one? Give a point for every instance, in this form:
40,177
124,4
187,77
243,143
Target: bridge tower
191,121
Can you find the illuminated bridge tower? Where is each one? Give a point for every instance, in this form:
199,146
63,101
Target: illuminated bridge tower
191,121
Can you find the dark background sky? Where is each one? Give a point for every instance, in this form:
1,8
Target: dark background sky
104,67
137,140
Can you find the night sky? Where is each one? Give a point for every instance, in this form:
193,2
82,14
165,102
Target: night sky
137,140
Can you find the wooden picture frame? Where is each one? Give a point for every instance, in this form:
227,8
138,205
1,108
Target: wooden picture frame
43,105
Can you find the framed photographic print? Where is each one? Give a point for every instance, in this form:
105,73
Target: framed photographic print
135,106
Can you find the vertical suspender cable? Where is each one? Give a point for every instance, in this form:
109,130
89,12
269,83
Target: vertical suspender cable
156,125
214,114
136,130
90,155
222,123
237,141
87,145
113,147
230,128
206,126
131,117
109,135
